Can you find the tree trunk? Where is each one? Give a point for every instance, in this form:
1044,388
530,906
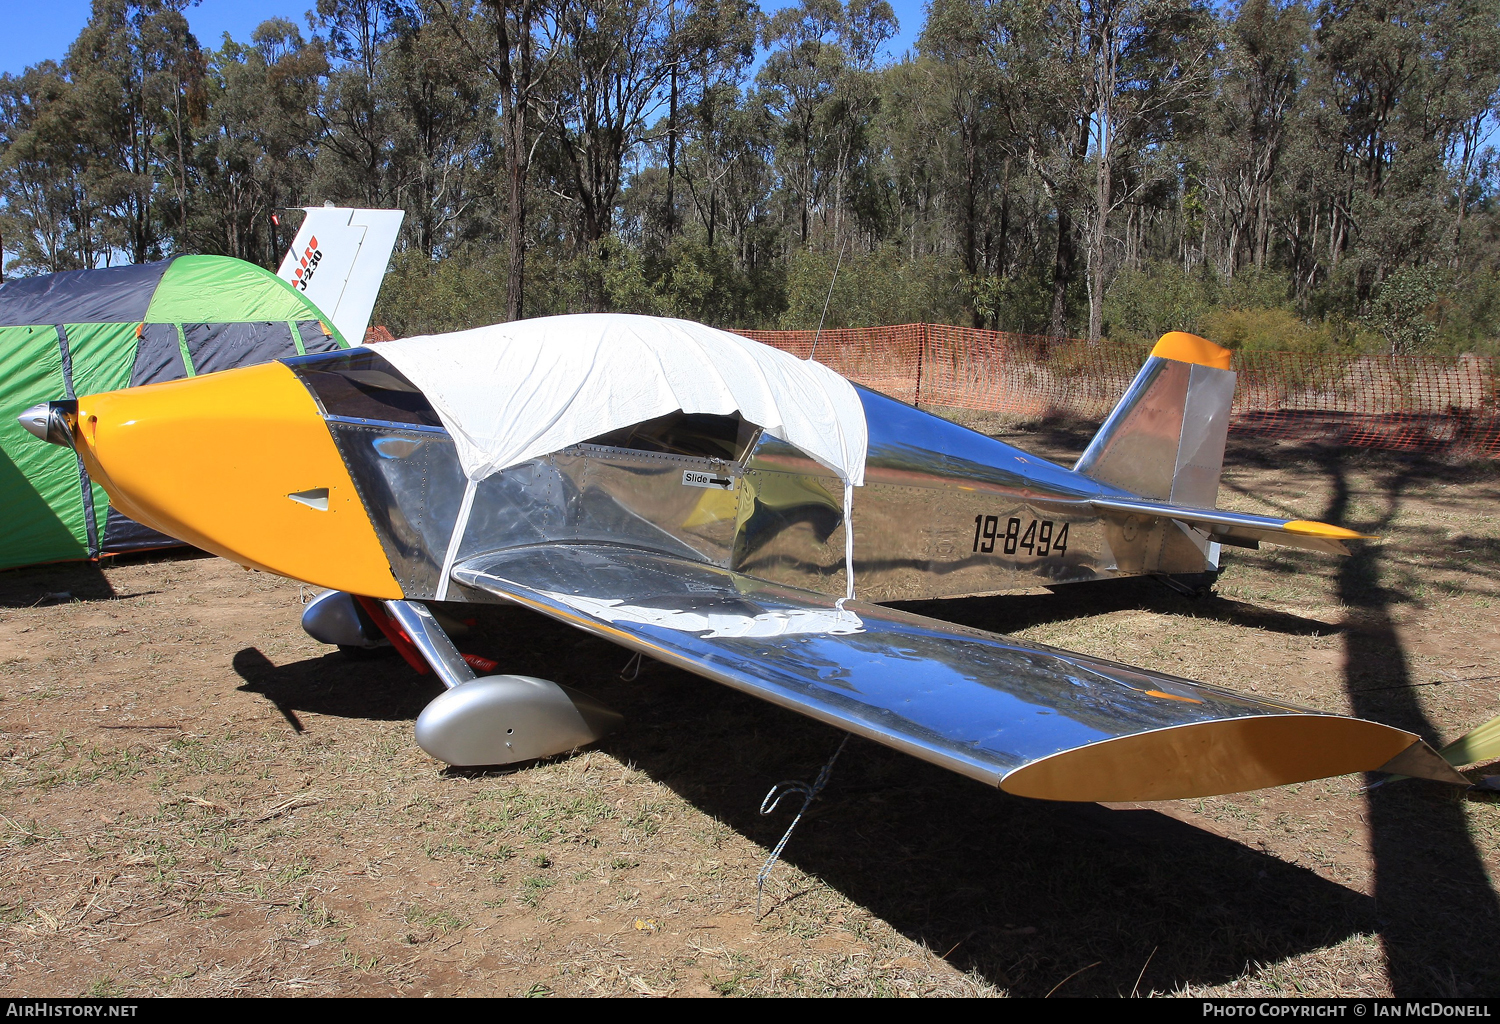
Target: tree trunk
672,136
515,216
514,73
1002,258
1105,81
1098,235
971,202
1062,272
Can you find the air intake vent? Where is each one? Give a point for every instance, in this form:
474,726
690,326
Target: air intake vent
316,498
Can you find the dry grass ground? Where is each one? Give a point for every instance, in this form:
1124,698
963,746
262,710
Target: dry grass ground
198,799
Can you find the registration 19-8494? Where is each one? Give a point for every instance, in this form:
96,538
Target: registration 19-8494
1041,537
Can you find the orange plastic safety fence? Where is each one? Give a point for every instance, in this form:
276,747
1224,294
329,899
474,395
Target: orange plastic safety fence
1415,403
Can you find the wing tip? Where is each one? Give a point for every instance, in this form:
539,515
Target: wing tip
1210,758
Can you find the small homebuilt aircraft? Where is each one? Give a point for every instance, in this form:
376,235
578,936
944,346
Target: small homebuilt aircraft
689,494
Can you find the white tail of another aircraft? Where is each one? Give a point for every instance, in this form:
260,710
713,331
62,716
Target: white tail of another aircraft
338,261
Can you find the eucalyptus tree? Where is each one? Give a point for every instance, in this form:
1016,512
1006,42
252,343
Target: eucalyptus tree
916,142
358,129
256,147
443,151
963,47
507,39
1398,88
51,218
1250,114
1049,71
1150,59
796,81
726,160
714,42
613,58
1380,67
817,83
136,73
1471,65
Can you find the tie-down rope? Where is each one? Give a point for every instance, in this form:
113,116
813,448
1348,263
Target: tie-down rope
848,544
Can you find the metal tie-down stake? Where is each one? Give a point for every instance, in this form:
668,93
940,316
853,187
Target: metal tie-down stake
773,799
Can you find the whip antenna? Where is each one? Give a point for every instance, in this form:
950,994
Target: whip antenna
835,281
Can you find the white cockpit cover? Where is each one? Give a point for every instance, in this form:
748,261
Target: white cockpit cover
514,391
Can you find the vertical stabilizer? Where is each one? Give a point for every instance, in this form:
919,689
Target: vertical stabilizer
1165,440
338,260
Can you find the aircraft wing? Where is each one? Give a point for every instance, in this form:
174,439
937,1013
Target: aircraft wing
1034,720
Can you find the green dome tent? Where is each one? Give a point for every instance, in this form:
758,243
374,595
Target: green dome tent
87,331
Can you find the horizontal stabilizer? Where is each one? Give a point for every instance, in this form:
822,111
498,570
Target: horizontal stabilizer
1239,528
1034,720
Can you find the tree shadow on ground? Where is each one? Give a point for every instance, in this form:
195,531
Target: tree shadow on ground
1063,439
1436,909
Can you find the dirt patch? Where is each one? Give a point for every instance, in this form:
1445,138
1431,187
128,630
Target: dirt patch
198,799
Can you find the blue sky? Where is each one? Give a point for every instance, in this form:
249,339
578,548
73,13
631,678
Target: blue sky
35,31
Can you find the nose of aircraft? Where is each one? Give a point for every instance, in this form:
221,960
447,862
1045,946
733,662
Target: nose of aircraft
239,463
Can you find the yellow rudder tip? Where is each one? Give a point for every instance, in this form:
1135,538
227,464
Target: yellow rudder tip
1189,348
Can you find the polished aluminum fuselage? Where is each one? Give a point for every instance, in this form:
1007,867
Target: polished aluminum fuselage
944,511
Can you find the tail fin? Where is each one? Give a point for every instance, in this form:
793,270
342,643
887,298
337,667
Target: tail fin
338,260
1165,440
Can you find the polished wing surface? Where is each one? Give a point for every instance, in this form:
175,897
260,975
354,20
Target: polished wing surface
1034,720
